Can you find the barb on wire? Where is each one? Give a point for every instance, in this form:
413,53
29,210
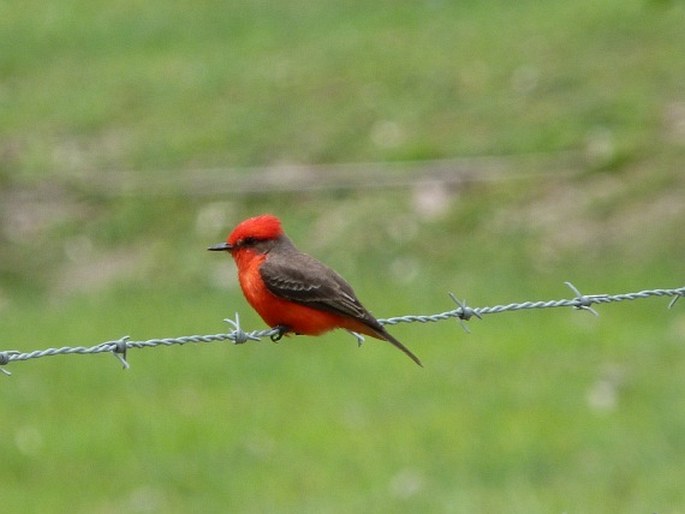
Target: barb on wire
119,351
673,300
584,302
464,312
237,335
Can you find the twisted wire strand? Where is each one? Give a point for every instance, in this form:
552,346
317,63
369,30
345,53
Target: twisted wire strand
579,302
463,313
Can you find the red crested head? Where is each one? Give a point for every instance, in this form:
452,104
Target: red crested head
259,228
251,236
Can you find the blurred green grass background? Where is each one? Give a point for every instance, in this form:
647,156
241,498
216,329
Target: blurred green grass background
581,105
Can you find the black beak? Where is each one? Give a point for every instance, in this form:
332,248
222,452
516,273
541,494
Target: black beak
221,247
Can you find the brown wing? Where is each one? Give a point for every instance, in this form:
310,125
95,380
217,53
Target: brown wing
300,278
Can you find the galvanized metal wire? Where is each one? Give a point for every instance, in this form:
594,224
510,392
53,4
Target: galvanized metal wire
237,335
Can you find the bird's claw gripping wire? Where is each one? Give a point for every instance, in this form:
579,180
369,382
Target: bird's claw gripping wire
281,330
238,336
464,312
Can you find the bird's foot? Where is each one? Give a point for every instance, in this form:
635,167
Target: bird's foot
281,331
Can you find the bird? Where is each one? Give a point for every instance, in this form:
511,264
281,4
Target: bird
293,292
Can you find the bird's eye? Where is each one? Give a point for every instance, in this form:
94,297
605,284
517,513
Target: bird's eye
248,241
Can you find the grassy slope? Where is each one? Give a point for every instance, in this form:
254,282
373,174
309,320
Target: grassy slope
178,83
532,412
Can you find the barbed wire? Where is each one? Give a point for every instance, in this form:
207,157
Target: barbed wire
463,313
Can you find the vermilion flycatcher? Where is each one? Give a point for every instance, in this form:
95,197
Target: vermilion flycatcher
292,291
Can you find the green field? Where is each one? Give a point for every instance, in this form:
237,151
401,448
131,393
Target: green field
128,133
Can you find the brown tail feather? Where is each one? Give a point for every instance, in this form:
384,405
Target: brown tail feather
374,329
386,336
